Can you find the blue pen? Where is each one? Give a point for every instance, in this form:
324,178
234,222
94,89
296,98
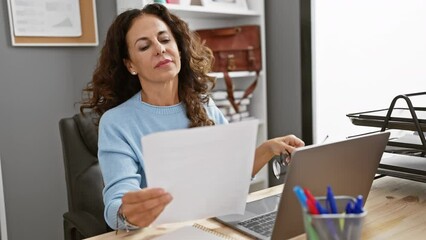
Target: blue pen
358,205
300,194
332,208
349,208
331,202
320,208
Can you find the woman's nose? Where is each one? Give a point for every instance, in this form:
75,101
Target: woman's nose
160,49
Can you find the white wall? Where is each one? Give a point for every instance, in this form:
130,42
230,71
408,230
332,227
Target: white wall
365,52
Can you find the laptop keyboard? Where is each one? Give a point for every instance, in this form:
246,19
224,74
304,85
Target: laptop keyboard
262,224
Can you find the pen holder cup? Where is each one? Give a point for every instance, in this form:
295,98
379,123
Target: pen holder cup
334,226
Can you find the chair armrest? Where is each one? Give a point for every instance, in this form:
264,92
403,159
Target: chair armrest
85,223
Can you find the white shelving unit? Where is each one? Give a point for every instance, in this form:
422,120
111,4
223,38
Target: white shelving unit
202,17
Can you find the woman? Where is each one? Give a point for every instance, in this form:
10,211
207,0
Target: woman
151,77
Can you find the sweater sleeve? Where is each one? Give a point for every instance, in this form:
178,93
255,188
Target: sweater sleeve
215,114
119,166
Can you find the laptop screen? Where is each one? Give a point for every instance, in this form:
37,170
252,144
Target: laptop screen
349,166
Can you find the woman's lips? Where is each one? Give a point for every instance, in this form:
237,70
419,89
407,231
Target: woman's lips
161,63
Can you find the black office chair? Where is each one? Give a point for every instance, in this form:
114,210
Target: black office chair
83,176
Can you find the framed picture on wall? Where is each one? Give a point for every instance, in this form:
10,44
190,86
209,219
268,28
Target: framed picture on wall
53,23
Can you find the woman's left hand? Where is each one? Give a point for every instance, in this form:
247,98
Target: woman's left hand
274,147
285,144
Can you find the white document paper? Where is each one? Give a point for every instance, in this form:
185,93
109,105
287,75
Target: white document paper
46,18
207,170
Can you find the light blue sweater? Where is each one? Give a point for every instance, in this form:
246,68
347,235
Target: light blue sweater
120,151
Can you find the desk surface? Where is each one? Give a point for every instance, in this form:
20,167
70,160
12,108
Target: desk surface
396,210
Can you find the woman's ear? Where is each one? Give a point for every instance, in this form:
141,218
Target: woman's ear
129,66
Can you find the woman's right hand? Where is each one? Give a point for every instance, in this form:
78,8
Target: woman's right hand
142,207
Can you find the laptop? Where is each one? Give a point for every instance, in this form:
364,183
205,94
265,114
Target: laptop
349,166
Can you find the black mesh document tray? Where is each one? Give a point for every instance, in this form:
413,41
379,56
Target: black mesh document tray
413,146
400,119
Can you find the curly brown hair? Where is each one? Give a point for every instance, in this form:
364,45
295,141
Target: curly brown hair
112,84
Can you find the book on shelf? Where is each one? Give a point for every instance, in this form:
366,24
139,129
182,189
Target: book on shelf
227,110
222,103
223,95
237,117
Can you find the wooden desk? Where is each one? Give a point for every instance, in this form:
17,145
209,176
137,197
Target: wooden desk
396,210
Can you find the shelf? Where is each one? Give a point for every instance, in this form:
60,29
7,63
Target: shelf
238,74
194,11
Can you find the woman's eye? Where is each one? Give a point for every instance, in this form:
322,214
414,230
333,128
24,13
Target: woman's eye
166,40
143,48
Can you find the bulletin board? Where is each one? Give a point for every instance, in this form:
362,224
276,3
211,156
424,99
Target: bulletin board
88,37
